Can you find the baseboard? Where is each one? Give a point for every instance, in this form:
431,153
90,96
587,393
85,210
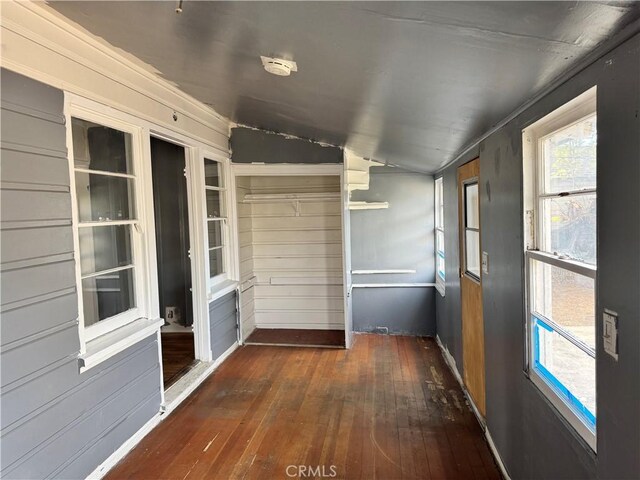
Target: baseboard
125,448
184,387
451,363
165,411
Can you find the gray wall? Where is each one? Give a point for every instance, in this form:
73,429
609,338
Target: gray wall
250,145
532,439
223,324
55,422
400,237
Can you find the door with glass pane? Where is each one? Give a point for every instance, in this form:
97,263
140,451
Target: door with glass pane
470,282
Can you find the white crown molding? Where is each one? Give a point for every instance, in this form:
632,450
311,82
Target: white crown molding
42,44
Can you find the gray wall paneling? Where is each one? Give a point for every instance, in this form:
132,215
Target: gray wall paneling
223,322
533,440
55,422
400,237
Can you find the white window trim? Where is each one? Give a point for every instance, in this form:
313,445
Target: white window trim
226,282
572,112
96,335
440,282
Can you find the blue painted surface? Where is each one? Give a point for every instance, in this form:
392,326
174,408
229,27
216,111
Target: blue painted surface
563,392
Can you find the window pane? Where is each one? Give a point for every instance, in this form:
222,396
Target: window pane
567,298
472,210
472,252
567,368
215,262
214,204
570,227
107,295
97,147
570,157
215,233
439,241
212,177
103,197
104,247
440,266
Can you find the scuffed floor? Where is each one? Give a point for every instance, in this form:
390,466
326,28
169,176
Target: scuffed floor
387,409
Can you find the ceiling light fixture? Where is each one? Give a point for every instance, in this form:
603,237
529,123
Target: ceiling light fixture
279,66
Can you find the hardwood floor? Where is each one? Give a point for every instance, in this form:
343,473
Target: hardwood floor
301,337
178,355
387,409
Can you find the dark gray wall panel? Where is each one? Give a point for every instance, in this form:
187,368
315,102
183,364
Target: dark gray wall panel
400,237
249,146
223,324
55,422
532,439
404,311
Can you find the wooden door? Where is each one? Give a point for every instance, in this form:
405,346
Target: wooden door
471,282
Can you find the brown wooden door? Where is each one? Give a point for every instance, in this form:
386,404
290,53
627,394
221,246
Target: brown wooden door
471,282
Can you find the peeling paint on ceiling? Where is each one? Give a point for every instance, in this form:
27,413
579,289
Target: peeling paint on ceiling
408,83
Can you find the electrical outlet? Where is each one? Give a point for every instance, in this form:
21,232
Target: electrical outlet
610,332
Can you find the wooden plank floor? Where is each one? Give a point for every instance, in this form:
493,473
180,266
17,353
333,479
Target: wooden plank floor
178,355
296,336
387,409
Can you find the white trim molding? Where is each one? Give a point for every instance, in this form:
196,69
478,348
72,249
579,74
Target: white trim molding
42,44
204,371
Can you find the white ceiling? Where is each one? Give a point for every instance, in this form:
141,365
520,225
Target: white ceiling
410,83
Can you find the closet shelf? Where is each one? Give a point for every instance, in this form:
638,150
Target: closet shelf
368,205
290,197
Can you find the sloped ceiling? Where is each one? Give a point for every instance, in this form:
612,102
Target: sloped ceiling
409,83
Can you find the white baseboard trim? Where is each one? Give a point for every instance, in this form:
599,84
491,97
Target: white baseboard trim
451,363
125,448
178,392
165,411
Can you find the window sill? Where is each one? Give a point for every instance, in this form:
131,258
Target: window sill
221,289
106,346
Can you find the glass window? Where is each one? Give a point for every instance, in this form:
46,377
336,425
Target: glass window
216,219
472,229
439,223
105,200
561,195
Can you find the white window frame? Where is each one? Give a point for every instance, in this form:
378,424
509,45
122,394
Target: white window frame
574,111
221,283
105,338
439,227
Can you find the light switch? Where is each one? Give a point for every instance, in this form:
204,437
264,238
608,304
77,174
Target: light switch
610,332
485,263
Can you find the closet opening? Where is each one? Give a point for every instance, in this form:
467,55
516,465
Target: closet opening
291,260
171,211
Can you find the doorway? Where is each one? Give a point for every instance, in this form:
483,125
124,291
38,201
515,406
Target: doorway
171,212
471,282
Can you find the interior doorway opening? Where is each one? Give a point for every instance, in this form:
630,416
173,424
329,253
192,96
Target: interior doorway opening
291,260
171,212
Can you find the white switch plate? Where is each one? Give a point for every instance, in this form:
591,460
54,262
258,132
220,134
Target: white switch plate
485,263
610,332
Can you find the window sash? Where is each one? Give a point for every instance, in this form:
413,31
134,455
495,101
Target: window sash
106,325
